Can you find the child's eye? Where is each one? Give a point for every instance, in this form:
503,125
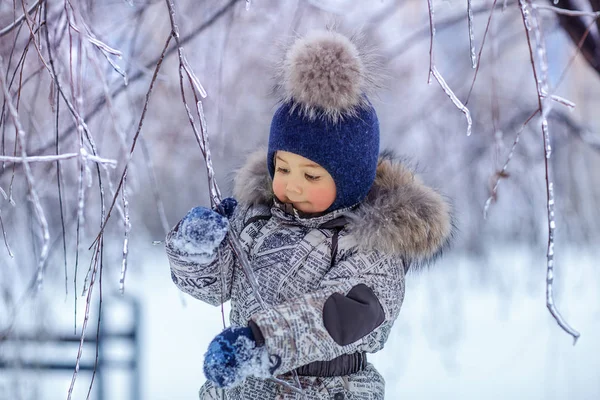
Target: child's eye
312,177
283,170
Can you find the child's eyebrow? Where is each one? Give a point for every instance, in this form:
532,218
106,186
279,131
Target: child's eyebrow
312,165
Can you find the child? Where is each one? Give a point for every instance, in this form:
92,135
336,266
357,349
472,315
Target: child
330,227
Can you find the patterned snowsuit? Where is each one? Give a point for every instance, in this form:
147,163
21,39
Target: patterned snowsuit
334,283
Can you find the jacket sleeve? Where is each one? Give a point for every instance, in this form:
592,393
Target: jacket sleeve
353,310
200,277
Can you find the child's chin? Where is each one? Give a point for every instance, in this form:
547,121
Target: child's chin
302,207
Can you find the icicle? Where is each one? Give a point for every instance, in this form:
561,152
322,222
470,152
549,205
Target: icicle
454,99
10,253
248,5
471,34
214,189
118,69
126,240
193,77
432,36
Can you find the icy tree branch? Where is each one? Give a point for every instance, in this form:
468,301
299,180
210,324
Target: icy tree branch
540,72
562,11
39,211
17,22
440,79
99,105
60,157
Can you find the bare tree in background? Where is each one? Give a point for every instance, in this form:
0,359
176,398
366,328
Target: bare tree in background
102,113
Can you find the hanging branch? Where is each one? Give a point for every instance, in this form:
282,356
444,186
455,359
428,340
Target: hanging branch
17,22
126,240
39,211
540,73
471,34
478,59
135,138
580,132
139,75
59,157
215,195
435,73
503,172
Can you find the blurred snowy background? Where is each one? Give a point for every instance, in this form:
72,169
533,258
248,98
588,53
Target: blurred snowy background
473,326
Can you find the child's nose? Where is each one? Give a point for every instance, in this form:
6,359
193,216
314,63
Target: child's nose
294,187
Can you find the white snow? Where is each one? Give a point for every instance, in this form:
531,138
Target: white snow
460,334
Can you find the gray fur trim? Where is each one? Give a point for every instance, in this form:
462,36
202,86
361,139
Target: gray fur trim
402,216
252,184
327,74
399,216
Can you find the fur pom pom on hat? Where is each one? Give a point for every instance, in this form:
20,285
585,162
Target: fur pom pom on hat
326,115
327,74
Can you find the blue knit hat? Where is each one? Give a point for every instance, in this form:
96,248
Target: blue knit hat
325,115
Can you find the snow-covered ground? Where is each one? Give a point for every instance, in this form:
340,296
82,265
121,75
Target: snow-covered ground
461,334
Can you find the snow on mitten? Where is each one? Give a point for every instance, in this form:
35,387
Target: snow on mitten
199,234
233,356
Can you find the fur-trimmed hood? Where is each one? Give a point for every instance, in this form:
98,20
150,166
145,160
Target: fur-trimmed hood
400,215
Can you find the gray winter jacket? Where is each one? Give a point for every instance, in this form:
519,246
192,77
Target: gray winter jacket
334,283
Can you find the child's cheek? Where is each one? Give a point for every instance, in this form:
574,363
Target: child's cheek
279,189
321,198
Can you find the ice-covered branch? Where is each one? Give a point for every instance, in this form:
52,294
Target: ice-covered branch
471,33
99,104
7,29
433,71
60,157
539,65
135,137
562,11
503,172
453,97
39,211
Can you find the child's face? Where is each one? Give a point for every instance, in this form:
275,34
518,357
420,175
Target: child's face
305,184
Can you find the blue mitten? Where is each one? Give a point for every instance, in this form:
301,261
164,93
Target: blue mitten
233,355
202,230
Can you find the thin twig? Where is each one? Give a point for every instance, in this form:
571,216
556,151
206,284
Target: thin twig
99,337
60,197
431,38
487,27
10,253
86,317
135,138
29,176
126,240
18,21
571,13
435,73
502,173
454,99
59,157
